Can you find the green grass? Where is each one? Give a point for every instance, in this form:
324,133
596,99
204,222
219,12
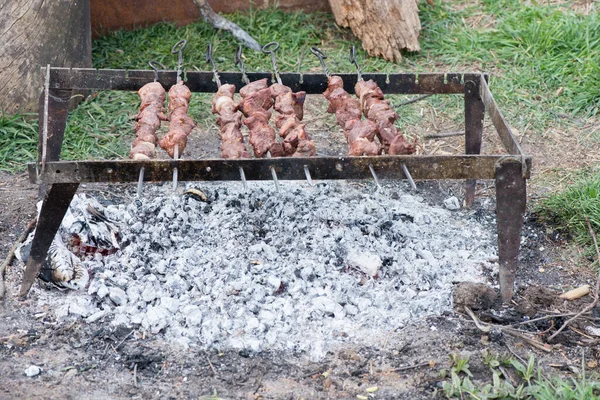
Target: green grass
531,51
567,210
18,141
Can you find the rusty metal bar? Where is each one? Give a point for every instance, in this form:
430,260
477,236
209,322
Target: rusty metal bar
292,168
504,132
54,207
50,143
474,114
201,81
511,196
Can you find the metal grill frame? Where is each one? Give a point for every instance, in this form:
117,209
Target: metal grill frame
59,180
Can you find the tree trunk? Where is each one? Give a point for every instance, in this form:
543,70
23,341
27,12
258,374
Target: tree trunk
385,27
34,33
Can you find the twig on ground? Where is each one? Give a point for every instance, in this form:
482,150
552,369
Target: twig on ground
222,23
11,255
596,289
122,341
135,382
544,317
514,353
443,135
509,331
212,367
408,367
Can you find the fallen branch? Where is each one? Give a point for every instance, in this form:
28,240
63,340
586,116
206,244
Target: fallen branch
11,255
222,23
596,289
509,331
443,135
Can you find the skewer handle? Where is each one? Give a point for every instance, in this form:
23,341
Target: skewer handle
155,65
354,61
209,59
238,58
178,49
321,56
271,48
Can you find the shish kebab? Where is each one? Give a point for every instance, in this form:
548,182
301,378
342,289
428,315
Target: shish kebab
377,109
255,105
152,112
229,121
290,106
180,123
360,134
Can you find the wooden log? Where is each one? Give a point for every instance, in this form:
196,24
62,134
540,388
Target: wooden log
34,33
385,27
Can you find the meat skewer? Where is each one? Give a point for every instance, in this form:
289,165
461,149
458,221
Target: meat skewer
290,106
160,91
152,111
229,121
378,110
180,123
359,134
255,105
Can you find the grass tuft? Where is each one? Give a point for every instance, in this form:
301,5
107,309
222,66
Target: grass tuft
18,141
567,210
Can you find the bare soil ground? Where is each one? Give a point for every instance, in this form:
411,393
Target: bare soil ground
99,361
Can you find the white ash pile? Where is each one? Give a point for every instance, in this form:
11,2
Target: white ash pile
295,271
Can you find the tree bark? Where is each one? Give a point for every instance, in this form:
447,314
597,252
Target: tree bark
385,27
34,33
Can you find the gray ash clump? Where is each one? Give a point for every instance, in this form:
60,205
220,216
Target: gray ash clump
266,271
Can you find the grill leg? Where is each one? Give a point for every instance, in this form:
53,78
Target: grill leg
55,205
58,110
474,114
511,196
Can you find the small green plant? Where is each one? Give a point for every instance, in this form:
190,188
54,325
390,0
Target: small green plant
533,385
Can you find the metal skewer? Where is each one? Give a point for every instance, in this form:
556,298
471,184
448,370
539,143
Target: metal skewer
359,77
266,50
178,49
271,48
155,66
237,57
374,176
321,56
239,61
